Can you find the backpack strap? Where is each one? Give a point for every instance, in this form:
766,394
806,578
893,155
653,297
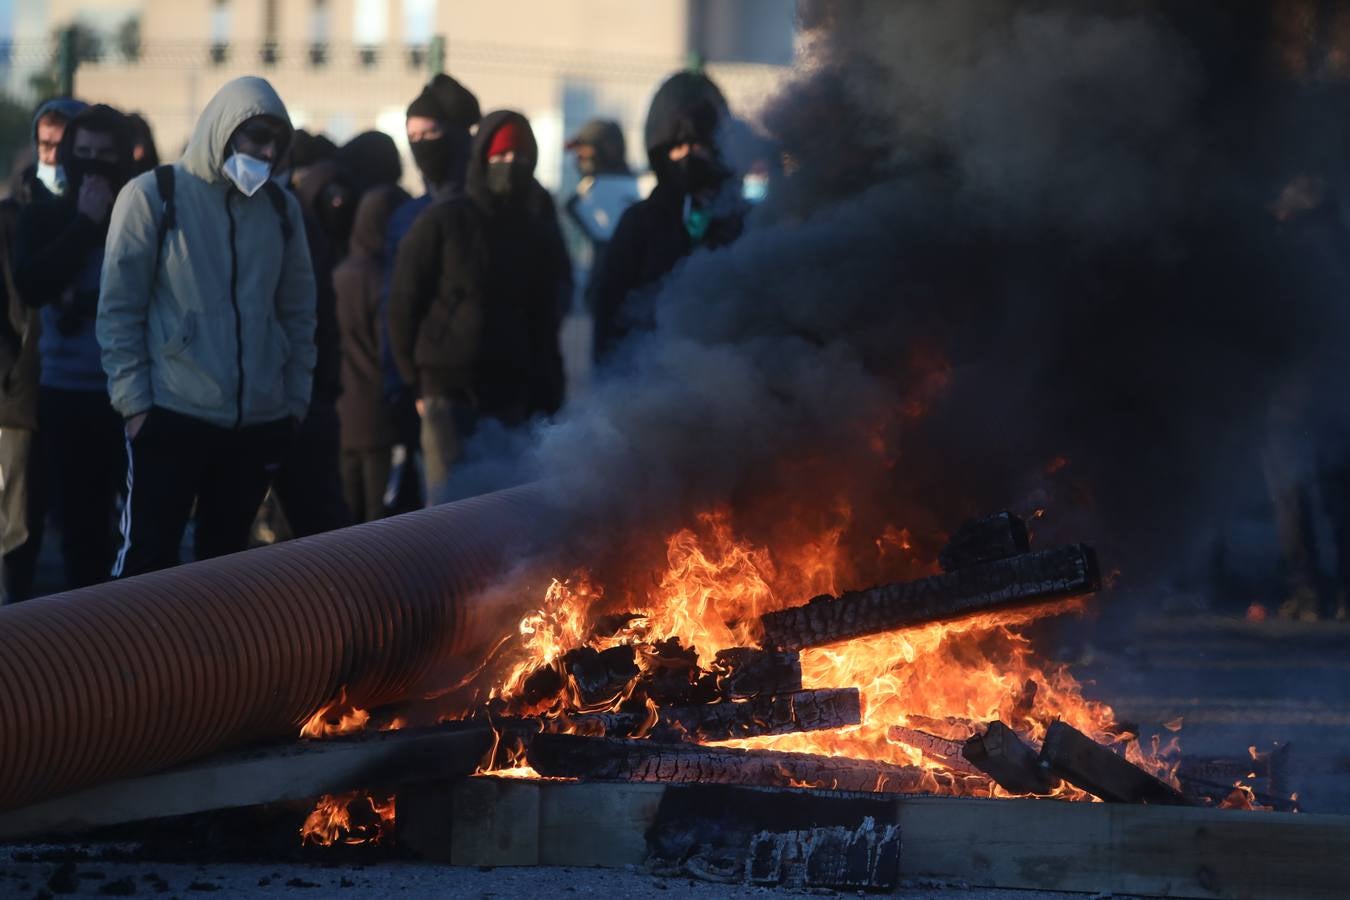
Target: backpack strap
168,217
278,198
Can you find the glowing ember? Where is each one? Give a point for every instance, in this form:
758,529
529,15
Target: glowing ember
353,818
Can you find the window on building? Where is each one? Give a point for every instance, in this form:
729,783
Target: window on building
220,31
270,52
419,25
371,28
320,31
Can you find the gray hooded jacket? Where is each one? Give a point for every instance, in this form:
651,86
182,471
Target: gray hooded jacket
223,329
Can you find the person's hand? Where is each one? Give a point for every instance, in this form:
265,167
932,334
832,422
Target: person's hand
96,198
135,424
421,407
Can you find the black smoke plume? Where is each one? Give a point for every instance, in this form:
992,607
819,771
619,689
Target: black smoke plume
1025,255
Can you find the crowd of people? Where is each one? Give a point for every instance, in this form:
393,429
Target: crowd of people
272,317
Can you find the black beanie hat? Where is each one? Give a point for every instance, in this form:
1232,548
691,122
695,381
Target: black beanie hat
447,100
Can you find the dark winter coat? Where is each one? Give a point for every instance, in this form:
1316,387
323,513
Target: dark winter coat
478,293
21,326
357,282
651,236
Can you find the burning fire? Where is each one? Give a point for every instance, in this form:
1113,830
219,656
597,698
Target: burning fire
944,678
352,818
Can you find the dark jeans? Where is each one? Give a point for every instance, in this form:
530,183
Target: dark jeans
309,487
81,439
365,475
176,459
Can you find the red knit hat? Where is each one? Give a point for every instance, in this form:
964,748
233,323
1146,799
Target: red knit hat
509,137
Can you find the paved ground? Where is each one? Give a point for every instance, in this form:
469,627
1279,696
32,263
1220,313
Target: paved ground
403,880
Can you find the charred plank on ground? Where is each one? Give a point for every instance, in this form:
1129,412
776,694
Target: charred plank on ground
1004,757
984,540
1083,762
616,759
1029,578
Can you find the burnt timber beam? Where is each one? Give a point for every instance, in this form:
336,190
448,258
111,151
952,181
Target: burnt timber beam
1004,757
817,710
616,759
1100,771
1029,578
947,752
749,672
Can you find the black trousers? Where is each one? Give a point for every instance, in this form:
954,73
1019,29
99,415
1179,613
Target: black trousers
308,486
176,459
80,442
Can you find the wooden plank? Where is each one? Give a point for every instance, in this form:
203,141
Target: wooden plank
1162,851
1004,757
1029,578
295,771
1083,762
1159,851
817,710
497,822
945,751
744,672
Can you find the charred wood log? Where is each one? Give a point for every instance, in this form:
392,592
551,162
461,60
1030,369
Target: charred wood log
1029,578
818,710
1084,763
674,677
601,676
985,540
749,672
1213,779
1004,757
615,759
945,751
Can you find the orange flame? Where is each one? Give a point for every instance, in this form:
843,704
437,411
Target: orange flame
950,677
335,718
332,821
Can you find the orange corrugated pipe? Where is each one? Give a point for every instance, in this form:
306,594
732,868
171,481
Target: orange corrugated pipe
144,673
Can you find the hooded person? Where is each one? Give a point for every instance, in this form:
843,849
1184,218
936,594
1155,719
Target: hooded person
22,511
696,203
439,124
144,153
371,159
367,423
58,259
479,287
606,189
206,321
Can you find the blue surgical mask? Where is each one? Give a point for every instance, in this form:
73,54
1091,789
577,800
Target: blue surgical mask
52,178
248,173
754,188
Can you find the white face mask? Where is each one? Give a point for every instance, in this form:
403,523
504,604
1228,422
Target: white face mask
248,173
52,177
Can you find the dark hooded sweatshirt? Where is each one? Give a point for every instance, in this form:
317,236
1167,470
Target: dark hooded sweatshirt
357,281
21,328
58,259
651,236
478,293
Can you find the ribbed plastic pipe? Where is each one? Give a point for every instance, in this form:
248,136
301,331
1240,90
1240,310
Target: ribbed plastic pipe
144,673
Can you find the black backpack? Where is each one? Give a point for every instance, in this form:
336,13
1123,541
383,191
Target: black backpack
164,180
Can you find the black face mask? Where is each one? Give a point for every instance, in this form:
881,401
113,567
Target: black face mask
507,179
694,174
78,169
435,158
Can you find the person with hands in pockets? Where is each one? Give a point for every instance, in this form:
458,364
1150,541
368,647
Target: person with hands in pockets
206,323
